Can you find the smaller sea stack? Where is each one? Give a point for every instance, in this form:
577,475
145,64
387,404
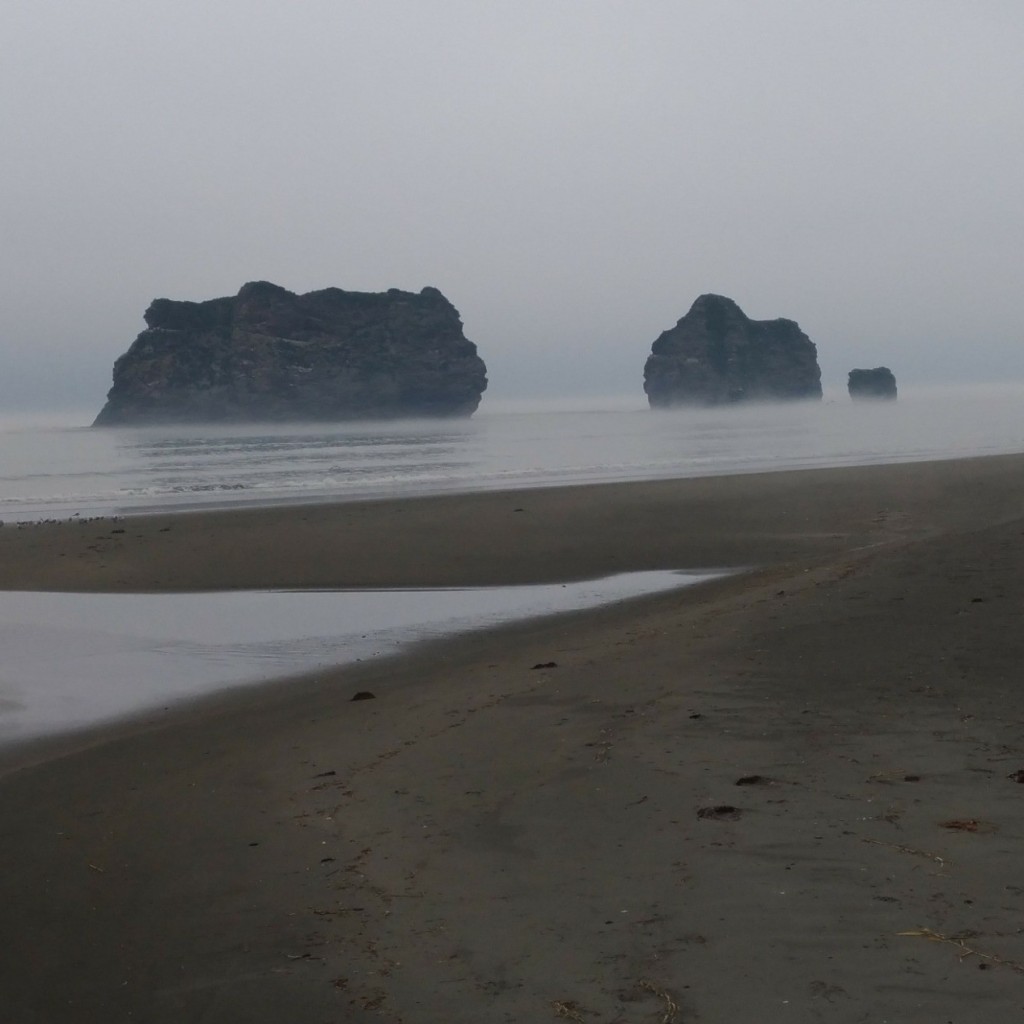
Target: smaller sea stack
876,384
716,355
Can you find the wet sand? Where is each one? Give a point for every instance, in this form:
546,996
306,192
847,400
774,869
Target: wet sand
788,794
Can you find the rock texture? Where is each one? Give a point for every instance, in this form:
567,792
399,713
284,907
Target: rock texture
269,354
716,354
876,383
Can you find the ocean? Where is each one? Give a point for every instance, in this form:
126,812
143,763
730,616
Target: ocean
59,467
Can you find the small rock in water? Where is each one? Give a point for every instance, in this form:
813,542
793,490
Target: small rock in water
364,695
878,383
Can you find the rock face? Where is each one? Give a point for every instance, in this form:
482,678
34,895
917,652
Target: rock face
269,354
876,383
716,355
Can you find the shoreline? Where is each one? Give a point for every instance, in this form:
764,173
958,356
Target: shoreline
229,469
110,510
736,799
540,535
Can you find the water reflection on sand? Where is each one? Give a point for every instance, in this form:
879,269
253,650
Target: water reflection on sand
73,660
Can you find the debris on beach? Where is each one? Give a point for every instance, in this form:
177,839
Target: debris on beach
960,943
967,825
671,1006
568,1009
720,812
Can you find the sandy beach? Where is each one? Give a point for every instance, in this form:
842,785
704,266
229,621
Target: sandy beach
793,793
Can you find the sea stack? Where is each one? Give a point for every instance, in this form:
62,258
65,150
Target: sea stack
267,354
876,384
716,355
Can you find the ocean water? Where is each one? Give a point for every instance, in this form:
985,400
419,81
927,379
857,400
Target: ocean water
60,467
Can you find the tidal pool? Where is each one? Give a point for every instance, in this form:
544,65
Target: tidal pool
75,660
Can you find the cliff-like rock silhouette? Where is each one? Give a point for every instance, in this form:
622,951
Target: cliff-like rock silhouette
878,383
716,355
269,354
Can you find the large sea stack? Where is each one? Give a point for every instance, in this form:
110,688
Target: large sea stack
716,355
269,354
878,383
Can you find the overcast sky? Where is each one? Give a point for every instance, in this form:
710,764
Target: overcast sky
571,174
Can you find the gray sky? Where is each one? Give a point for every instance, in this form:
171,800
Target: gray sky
570,174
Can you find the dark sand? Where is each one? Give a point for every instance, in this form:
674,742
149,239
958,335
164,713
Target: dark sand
489,841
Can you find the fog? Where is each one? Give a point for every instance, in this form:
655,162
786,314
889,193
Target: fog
570,174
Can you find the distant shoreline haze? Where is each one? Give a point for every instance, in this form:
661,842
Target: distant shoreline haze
56,467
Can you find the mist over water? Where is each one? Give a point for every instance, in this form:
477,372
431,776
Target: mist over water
54,469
